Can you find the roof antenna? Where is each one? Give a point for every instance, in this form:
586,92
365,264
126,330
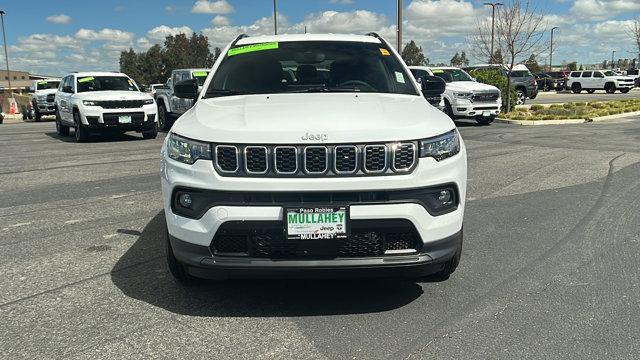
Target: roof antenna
305,29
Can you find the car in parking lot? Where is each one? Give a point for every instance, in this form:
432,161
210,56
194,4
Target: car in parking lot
99,102
545,82
522,80
464,97
592,80
352,174
43,94
170,106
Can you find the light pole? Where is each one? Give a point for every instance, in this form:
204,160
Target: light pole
399,26
613,53
6,55
275,17
551,50
493,23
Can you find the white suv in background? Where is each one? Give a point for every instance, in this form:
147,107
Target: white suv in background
43,97
464,97
592,80
344,169
99,102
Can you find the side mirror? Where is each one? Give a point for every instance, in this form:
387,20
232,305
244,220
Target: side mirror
432,86
142,88
67,89
186,89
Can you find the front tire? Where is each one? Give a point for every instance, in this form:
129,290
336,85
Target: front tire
482,121
521,97
81,133
61,129
150,134
448,109
164,123
177,269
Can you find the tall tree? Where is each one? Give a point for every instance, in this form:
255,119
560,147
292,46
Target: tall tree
463,59
496,58
634,31
572,66
130,64
455,60
412,54
532,64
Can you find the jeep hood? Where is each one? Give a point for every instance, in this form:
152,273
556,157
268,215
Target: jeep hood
469,86
112,95
286,118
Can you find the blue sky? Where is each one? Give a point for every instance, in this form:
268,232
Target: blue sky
54,37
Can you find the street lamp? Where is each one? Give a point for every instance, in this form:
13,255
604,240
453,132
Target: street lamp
493,22
399,26
6,55
275,18
612,55
551,50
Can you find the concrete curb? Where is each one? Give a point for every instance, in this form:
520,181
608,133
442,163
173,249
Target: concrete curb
567,121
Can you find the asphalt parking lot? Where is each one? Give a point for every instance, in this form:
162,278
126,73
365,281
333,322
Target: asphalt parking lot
549,267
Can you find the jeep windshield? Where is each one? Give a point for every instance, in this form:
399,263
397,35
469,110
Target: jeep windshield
46,85
451,75
105,83
309,66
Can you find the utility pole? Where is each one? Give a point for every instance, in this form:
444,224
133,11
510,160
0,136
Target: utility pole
275,17
612,55
493,25
551,51
6,55
399,26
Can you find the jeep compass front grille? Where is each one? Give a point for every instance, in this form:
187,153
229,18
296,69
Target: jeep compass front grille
315,160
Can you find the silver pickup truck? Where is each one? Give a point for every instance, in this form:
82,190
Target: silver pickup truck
171,107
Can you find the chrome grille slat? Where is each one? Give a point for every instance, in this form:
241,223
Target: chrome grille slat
316,159
404,156
256,159
375,159
227,158
285,160
345,159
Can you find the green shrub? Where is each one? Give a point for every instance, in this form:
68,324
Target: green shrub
555,106
580,103
569,105
536,107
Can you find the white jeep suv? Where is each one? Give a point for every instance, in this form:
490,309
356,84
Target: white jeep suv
343,168
464,97
100,102
592,80
43,97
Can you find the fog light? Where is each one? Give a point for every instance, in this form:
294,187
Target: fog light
185,200
444,197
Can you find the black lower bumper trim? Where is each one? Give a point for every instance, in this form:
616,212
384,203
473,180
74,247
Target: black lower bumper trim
201,263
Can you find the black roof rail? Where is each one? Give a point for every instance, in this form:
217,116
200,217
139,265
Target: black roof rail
241,36
374,34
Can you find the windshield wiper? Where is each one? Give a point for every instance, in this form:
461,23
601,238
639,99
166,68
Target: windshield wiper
224,92
317,89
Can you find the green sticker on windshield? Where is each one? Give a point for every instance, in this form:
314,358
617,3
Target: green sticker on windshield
42,83
86,79
200,74
437,71
252,48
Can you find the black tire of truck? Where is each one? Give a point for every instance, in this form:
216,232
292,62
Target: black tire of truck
164,120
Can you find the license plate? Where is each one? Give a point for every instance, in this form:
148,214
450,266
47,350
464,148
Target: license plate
486,113
311,223
124,119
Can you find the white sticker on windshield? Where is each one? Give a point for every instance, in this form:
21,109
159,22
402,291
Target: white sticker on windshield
399,77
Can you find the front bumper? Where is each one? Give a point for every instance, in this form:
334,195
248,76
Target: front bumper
98,118
202,263
45,108
469,109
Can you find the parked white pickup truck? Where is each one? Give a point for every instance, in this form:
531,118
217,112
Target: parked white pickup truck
43,97
464,97
170,107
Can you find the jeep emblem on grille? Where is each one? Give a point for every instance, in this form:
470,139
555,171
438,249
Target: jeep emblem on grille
318,137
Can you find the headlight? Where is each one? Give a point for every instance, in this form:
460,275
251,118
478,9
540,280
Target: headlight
89,103
441,147
148,102
187,150
462,94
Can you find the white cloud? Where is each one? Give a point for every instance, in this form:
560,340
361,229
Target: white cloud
212,7
104,35
357,21
59,19
602,9
220,20
159,33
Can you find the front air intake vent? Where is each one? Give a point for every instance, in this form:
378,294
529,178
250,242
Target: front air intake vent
227,158
375,158
255,159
